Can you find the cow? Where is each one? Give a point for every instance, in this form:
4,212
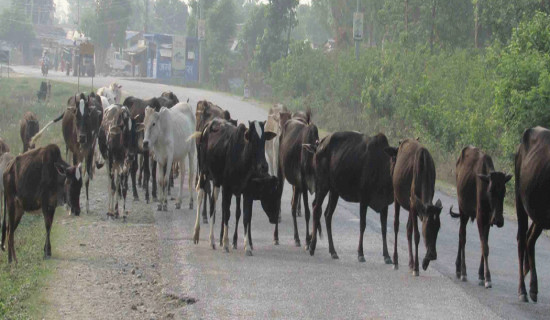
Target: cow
167,134
80,126
3,147
170,96
38,179
5,159
118,143
28,127
112,93
233,158
295,164
481,192
272,146
356,167
413,176
205,112
532,181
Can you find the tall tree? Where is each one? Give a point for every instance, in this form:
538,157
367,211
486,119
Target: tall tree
170,16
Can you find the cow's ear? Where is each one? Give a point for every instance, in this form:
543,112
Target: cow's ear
61,169
391,151
140,127
247,135
484,178
309,148
269,135
507,178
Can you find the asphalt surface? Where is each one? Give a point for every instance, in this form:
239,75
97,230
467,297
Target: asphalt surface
285,282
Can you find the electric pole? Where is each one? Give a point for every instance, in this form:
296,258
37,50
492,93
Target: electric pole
200,41
357,41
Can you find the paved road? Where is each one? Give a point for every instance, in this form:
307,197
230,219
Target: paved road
284,282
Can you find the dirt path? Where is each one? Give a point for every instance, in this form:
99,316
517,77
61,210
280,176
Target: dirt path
107,269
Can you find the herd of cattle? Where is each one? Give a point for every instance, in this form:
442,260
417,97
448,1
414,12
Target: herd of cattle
231,158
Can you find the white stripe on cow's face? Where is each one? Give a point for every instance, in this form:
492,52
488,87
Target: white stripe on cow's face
130,124
81,106
258,129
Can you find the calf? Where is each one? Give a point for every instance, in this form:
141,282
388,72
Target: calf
413,175
296,166
272,146
233,158
167,134
28,127
118,139
38,179
481,192
532,182
355,167
80,125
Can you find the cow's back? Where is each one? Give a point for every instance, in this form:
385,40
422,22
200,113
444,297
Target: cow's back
376,180
471,162
179,124
533,174
404,171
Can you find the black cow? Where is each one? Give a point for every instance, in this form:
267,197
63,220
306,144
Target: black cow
355,167
532,185
233,158
38,179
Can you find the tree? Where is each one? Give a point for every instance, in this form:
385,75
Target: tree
15,28
170,16
220,24
310,26
252,31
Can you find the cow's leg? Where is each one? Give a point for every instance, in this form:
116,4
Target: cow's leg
180,191
3,213
533,286
461,255
416,242
526,266
11,212
362,226
190,179
409,241
299,206
146,175
141,169
384,228
48,220
124,194
208,195
329,211
521,239
307,213
237,217
88,175
483,228
247,219
215,194
396,232
226,212
133,171
118,178
295,200
317,210
154,179
200,196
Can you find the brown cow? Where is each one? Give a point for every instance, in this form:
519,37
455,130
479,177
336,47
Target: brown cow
532,185
272,146
3,147
356,168
413,172
481,192
38,179
28,127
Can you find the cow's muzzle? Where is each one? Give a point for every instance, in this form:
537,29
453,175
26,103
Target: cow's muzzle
82,138
145,145
497,221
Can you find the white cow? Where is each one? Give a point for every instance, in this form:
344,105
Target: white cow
272,146
112,92
168,135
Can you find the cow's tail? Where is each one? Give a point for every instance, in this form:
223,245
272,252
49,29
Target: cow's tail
453,214
37,136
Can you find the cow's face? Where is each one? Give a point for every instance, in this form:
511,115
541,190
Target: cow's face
256,138
69,184
116,90
430,227
83,119
264,188
496,190
152,128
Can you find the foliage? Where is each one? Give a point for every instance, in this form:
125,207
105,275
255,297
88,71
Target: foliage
170,16
106,24
15,27
310,27
220,24
252,31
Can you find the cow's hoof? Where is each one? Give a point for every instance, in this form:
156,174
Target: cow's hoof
159,207
311,251
334,256
464,278
276,242
204,220
136,198
226,249
523,297
123,218
155,199
481,282
395,266
361,258
249,253
178,206
165,207
191,206
533,296
387,260
213,245
234,246
488,285
306,247
415,273
458,274
297,243
196,237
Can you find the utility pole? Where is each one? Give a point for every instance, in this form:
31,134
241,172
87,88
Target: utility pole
200,42
356,40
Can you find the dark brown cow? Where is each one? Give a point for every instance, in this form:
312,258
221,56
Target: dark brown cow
532,185
355,167
413,175
233,158
481,192
295,164
38,179
28,127
80,125
3,147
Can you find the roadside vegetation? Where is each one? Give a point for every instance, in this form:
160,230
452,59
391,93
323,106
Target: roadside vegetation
19,282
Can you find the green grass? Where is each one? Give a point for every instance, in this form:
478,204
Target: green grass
18,283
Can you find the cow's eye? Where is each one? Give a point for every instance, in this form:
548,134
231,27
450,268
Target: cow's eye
154,124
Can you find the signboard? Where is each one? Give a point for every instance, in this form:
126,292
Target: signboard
202,29
4,56
86,49
178,53
358,26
